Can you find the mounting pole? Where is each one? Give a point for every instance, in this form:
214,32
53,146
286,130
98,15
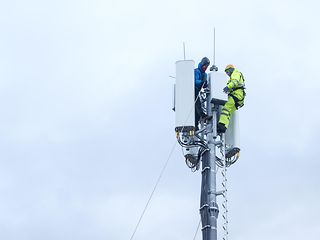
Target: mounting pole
209,209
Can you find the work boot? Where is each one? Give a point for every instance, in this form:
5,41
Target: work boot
221,128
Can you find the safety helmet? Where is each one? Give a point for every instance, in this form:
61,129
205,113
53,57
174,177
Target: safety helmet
228,67
205,61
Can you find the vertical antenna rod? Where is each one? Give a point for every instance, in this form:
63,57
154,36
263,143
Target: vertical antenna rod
214,46
184,51
214,67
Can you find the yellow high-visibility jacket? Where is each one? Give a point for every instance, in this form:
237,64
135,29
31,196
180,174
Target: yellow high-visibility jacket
236,86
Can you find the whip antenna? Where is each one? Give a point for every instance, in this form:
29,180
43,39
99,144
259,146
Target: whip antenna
214,67
214,46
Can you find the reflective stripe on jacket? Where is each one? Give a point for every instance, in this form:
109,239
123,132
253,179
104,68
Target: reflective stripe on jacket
236,86
236,80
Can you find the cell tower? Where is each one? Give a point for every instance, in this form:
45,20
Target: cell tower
204,146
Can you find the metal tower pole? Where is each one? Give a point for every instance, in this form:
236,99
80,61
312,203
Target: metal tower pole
209,209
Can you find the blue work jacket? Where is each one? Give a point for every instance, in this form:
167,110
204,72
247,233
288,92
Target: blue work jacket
200,78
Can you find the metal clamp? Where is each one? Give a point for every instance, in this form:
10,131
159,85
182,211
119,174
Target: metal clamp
208,226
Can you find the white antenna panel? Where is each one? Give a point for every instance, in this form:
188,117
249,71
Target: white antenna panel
218,82
232,133
184,95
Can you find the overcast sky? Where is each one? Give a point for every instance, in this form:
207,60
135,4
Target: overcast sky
86,122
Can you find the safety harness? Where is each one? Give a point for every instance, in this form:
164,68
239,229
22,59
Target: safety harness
238,102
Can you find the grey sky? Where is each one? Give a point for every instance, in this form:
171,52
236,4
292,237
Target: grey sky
86,121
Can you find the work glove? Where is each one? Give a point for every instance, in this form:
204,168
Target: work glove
226,90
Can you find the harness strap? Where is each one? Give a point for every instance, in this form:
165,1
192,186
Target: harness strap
236,100
241,87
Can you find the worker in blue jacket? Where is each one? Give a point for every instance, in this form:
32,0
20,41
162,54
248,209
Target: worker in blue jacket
200,81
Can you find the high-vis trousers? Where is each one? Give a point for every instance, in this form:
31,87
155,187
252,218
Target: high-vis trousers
227,111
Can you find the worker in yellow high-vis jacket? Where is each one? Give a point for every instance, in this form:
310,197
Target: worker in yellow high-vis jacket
236,94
